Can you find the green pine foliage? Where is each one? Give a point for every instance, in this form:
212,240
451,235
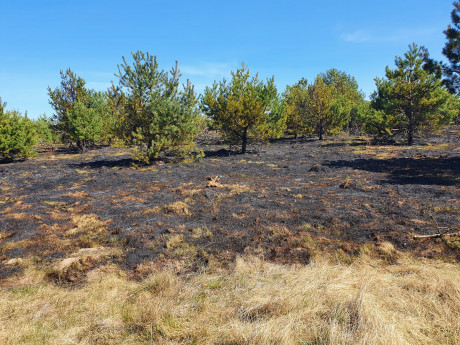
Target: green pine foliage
245,108
82,116
328,105
381,124
151,110
63,98
348,99
412,96
452,51
17,134
320,117
295,99
85,125
44,127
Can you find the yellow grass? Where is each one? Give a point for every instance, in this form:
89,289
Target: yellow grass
78,194
178,207
367,302
388,152
86,223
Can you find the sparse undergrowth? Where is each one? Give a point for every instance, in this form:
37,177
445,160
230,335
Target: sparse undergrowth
383,297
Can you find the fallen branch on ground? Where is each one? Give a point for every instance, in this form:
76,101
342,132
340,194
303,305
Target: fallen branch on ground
437,235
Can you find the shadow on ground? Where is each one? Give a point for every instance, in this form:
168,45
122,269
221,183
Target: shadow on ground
430,171
105,163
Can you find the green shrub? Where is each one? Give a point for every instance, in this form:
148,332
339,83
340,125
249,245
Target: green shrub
17,134
152,112
44,128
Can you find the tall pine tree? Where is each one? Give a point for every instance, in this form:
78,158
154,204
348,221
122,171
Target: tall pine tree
452,51
412,93
320,117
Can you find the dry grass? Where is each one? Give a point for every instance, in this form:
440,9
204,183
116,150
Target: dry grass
367,302
388,152
178,207
78,194
85,223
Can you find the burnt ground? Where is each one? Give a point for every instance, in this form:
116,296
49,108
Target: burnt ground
282,201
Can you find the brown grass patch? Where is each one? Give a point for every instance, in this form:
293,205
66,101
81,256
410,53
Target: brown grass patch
233,188
15,245
5,200
78,194
54,203
130,198
86,223
18,216
178,207
72,268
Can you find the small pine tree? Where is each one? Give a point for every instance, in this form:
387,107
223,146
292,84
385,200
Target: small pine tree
348,99
81,115
295,100
44,127
17,134
320,118
63,98
151,110
246,108
413,94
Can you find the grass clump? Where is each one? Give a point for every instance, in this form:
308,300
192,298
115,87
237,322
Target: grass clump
178,207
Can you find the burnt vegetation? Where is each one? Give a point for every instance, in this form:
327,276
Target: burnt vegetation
285,202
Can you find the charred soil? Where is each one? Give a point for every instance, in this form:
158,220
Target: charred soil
285,202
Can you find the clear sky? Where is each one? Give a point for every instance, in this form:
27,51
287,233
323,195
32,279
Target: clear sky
287,39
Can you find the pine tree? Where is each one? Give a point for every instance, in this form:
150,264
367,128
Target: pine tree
245,108
81,114
320,117
17,134
348,99
151,111
295,98
63,98
44,128
412,93
452,51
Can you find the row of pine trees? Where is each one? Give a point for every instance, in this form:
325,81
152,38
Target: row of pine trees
151,109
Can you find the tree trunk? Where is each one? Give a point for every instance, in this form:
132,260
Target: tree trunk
244,141
81,145
410,137
320,132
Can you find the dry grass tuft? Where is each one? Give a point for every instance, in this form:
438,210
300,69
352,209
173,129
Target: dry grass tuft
15,245
18,216
54,203
178,207
202,233
366,302
233,188
5,200
78,194
74,267
86,223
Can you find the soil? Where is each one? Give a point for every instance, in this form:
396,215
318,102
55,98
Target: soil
281,201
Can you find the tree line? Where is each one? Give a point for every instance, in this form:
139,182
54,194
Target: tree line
150,108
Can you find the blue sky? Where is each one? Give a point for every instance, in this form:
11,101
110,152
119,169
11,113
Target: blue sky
287,39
